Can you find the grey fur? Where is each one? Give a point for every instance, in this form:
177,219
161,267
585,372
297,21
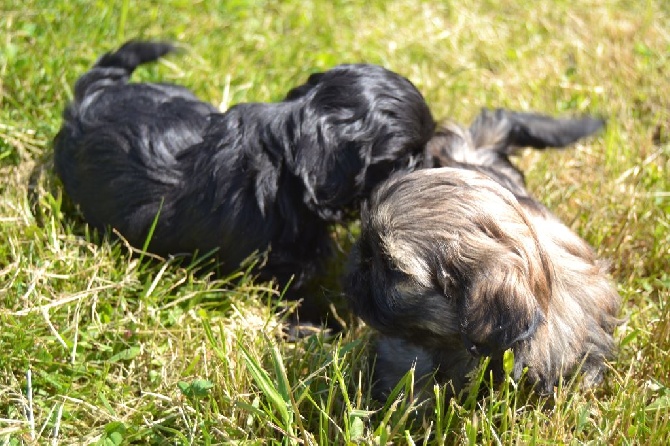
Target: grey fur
456,263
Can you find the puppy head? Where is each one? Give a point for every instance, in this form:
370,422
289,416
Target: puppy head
447,256
357,125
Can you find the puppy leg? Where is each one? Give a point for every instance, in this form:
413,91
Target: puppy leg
395,357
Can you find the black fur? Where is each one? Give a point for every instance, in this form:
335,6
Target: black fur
259,176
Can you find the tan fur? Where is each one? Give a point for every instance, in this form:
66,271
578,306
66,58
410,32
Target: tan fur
450,261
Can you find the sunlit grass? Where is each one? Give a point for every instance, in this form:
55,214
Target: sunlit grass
101,345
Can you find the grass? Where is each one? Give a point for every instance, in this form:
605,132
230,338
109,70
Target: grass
102,346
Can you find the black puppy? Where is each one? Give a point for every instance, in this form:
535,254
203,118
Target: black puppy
257,177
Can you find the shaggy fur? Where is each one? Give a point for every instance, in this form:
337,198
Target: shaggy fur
257,177
495,135
453,264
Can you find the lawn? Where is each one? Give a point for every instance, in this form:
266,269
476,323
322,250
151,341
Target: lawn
100,344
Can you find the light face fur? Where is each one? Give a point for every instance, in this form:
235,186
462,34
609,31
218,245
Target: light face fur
257,177
450,265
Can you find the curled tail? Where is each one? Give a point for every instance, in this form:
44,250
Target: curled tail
116,67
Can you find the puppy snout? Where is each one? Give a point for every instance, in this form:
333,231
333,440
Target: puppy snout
476,350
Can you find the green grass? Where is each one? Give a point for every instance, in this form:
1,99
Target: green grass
99,345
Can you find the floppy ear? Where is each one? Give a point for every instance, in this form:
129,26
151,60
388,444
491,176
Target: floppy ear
500,275
502,306
508,130
302,90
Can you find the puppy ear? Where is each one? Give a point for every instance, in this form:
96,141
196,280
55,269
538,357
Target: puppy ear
501,278
302,90
502,306
508,130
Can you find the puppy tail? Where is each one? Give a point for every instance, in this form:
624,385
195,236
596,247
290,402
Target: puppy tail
133,54
115,67
505,130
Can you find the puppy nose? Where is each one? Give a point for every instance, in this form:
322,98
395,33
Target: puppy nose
471,347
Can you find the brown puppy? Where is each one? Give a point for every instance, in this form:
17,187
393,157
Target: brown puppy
451,265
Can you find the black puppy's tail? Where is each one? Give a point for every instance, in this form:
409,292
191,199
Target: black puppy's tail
134,53
505,131
116,67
